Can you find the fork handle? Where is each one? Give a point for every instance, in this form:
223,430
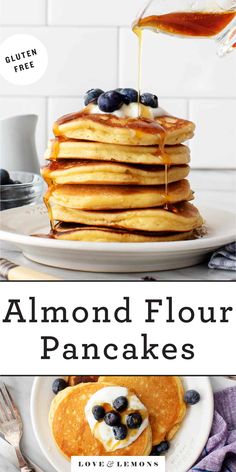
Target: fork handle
24,466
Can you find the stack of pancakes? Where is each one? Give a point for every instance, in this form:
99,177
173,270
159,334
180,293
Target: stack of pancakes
120,179
162,396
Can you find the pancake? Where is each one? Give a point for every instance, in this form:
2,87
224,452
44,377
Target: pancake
73,232
103,197
163,397
73,380
108,128
71,431
110,173
149,155
182,217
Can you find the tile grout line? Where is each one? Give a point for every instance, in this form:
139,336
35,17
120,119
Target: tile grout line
46,12
118,57
188,108
80,96
46,120
89,26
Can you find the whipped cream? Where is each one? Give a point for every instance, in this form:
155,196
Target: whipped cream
131,111
101,430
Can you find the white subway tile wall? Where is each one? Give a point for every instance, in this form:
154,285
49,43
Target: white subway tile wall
214,145
23,12
93,12
90,44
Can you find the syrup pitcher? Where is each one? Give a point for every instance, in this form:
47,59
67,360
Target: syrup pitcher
17,143
192,18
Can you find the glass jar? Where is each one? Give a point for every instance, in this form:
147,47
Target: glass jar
28,191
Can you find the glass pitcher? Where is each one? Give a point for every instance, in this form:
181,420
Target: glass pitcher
192,18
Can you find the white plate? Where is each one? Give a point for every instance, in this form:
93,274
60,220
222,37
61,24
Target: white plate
19,223
185,447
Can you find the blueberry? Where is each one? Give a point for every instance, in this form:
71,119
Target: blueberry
92,96
129,95
149,100
58,385
120,403
120,432
160,448
112,418
110,101
192,397
134,420
4,177
98,412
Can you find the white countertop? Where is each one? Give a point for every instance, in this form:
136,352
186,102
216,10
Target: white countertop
20,388
214,188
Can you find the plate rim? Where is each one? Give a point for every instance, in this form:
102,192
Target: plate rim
164,246
200,448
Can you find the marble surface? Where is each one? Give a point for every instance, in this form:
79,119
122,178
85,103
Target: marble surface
20,388
212,188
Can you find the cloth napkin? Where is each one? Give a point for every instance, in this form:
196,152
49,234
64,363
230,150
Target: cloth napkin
224,258
219,454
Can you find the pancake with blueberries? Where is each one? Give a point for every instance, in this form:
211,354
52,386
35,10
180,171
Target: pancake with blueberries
181,217
77,232
117,197
163,397
117,172
110,173
78,430
58,149
117,117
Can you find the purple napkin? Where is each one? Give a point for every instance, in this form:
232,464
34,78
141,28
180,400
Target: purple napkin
219,454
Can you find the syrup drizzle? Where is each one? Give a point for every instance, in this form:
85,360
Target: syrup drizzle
165,159
46,199
139,32
193,24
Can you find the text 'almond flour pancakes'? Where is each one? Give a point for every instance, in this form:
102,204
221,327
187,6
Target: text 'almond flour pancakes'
117,172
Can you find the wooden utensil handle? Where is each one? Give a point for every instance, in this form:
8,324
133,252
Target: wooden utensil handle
11,271
24,273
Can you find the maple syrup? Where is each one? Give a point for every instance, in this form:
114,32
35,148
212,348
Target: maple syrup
186,24
49,209
194,24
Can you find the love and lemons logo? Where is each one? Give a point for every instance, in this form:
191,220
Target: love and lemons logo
118,463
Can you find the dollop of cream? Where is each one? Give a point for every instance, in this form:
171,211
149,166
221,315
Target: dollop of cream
133,110
101,430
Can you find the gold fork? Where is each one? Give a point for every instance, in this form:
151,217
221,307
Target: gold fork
11,426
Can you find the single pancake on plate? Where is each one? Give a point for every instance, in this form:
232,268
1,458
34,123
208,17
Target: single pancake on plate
117,197
163,397
73,232
110,173
91,125
74,433
179,217
60,148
